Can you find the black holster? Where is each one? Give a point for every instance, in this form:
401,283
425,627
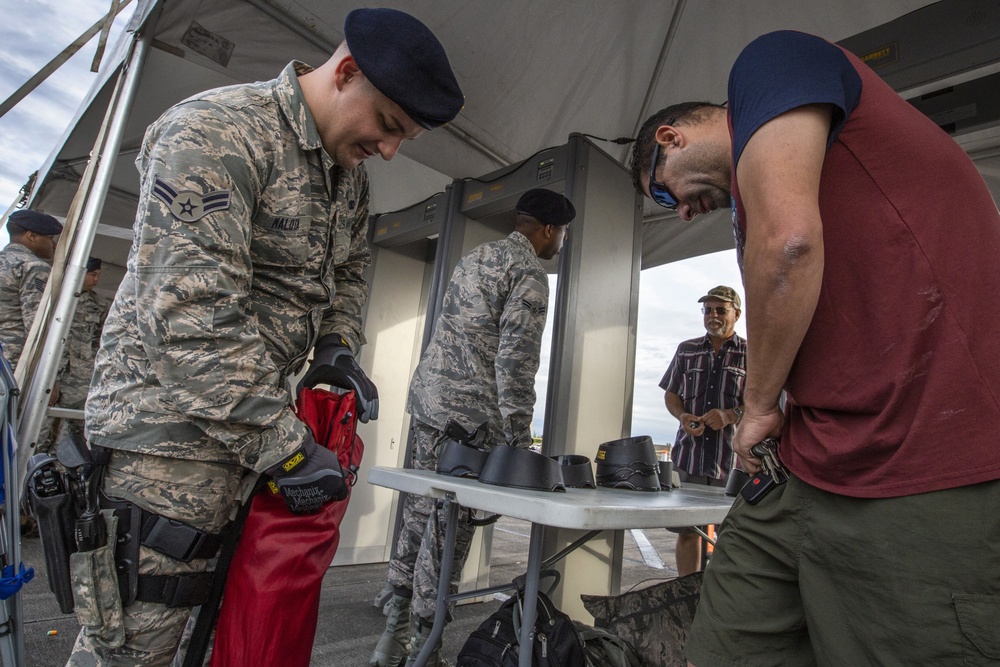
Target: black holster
51,503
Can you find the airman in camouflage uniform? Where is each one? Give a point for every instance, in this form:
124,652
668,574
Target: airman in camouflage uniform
81,348
23,274
479,367
250,243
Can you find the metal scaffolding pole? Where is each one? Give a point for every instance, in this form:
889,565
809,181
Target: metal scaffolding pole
37,376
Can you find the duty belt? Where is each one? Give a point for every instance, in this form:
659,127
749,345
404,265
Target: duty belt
172,538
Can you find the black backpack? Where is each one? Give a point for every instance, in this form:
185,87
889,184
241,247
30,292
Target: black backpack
605,649
555,641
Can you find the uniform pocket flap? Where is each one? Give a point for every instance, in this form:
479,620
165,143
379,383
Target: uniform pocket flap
979,618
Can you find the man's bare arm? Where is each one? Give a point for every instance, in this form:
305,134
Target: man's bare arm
779,175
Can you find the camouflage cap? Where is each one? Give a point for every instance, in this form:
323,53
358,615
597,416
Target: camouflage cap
37,222
403,59
723,293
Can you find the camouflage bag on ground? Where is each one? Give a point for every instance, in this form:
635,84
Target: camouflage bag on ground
656,620
604,649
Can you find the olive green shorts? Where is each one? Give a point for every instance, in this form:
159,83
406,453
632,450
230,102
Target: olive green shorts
807,577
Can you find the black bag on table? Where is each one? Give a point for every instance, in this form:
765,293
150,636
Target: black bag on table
555,641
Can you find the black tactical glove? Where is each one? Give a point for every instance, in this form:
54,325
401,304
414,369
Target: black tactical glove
334,364
310,478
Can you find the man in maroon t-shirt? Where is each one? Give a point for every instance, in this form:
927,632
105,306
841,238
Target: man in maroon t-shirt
868,243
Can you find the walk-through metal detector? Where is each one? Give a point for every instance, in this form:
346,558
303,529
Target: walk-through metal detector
594,312
404,244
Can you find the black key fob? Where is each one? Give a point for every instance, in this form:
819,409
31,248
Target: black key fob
758,487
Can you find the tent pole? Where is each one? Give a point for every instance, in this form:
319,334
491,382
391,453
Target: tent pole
675,20
57,62
37,385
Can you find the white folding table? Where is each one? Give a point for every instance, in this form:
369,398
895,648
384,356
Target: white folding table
593,510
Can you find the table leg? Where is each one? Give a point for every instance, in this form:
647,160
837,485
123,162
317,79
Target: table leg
530,595
444,583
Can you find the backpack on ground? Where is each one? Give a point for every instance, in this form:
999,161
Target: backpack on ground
605,649
555,641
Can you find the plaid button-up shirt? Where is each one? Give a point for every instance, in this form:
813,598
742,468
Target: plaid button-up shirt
706,381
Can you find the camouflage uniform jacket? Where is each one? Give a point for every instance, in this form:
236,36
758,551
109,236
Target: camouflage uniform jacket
250,243
81,348
481,362
22,280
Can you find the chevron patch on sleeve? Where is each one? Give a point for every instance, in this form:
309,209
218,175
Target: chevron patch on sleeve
188,205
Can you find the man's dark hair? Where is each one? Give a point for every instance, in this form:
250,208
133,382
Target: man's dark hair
685,113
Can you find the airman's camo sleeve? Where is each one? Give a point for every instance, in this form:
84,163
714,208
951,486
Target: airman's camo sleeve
521,326
36,274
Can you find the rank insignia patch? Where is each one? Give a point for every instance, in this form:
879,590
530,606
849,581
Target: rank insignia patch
535,310
189,206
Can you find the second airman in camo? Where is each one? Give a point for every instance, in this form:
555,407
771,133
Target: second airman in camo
479,368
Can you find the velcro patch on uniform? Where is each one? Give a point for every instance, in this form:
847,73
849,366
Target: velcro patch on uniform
292,462
188,205
536,309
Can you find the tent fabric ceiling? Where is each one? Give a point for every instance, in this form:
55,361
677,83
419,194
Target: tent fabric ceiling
532,72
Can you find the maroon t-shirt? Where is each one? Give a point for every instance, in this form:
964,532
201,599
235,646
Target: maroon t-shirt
895,388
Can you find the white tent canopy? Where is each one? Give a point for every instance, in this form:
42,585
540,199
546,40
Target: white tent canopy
532,73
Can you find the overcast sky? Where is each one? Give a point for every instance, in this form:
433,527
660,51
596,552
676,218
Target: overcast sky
34,32
668,308
669,313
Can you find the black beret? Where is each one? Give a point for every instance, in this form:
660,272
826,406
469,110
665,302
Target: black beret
406,63
93,264
551,208
36,221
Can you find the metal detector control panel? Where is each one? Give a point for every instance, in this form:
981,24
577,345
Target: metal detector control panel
498,191
420,221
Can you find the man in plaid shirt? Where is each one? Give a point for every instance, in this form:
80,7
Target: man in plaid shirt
703,390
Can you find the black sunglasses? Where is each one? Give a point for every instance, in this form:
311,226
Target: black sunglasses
658,191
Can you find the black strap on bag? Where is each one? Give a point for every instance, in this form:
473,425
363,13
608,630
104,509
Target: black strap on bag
208,616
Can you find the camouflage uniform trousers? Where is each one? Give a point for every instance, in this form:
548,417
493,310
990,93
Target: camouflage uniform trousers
199,493
416,558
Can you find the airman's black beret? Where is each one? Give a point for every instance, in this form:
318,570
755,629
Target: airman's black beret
37,222
551,208
406,63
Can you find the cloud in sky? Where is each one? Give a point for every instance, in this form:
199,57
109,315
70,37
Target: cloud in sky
30,131
669,313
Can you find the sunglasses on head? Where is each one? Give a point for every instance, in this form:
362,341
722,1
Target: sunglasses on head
658,191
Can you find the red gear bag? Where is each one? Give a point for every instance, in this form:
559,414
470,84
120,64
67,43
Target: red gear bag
271,600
